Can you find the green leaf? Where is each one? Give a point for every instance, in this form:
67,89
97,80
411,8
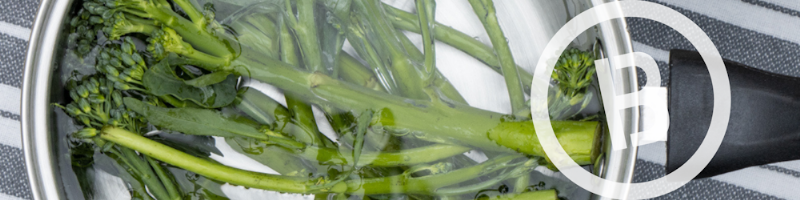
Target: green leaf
193,121
161,80
209,79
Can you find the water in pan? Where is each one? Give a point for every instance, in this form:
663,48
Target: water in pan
480,86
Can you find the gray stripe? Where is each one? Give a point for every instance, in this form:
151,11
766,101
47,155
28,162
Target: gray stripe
14,179
734,43
12,59
9,115
774,7
663,68
782,170
697,189
19,12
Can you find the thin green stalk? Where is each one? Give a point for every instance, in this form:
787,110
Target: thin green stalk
201,57
259,39
306,30
265,25
519,171
195,15
136,184
214,170
199,38
357,37
147,175
301,112
259,106
521,183
374,15
413,51
275,157
280,183
408,21
277,154
356,73
166,179
406,183
439,81
362,123
486,13
443,88
409,76
426,9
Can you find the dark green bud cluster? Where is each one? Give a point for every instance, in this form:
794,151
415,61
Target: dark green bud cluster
209,14
118,25
84,28
95,103
108,17
122,64
574,71
164,41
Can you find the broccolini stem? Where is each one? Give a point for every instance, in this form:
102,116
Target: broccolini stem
203,58
301,112
519,171
354,72
374,15
275,157
135,183
214,170
486,13
194,14
435,78
306,31
406,183
406,157
425,8
409,77
357,37
407,21
259,106
147,175
439,120
440,82
521,183
199,38
165,178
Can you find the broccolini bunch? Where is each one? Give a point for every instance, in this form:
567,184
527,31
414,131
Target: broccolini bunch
400,126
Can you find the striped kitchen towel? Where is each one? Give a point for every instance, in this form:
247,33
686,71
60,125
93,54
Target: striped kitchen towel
761,33
16,18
